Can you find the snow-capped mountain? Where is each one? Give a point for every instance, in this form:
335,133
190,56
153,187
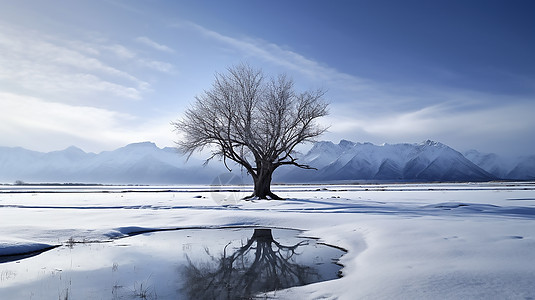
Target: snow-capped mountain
427,161
139,163
145,163
518,168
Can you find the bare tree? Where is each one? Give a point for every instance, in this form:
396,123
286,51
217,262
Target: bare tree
254,121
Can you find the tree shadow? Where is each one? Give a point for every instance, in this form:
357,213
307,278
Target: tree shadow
261,265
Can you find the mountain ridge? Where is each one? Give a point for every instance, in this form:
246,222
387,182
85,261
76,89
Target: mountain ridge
426,161
146,163
512,168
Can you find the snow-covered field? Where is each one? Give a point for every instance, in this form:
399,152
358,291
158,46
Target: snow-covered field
404,241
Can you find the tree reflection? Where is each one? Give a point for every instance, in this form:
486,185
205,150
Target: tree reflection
261,265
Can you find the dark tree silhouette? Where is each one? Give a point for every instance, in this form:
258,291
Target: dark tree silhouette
261,265
253,121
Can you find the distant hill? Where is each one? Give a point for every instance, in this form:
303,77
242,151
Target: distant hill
145,163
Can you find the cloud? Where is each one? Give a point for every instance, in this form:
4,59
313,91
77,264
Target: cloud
46,64
372,96
505,129
57,91
364,109
286,58
148,42
157,65
71,69
121,51
42,125
26,120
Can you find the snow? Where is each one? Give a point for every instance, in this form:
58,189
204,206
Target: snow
145,163
139,163
10,247
404,241
504,167
426,161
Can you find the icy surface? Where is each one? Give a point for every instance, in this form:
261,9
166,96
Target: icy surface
175,264
410,241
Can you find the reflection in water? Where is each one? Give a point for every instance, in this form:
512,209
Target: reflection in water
261,265
211,263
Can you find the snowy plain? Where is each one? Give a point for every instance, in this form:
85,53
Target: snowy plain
403,241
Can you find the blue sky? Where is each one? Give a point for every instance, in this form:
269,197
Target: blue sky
101,74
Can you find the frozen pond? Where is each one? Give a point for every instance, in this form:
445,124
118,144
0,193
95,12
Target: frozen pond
177,264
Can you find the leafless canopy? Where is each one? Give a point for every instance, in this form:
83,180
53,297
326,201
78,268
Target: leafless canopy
252,120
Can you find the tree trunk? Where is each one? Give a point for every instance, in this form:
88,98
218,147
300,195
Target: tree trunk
262,185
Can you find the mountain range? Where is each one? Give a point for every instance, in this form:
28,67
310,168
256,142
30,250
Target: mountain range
423,162
145,163
139,163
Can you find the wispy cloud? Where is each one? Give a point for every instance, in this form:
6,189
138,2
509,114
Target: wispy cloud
148,42
28,119
121,51
492,128
71,69
364,109
63,91
286,58
46,64
39,124
343,88
124,53
160,66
